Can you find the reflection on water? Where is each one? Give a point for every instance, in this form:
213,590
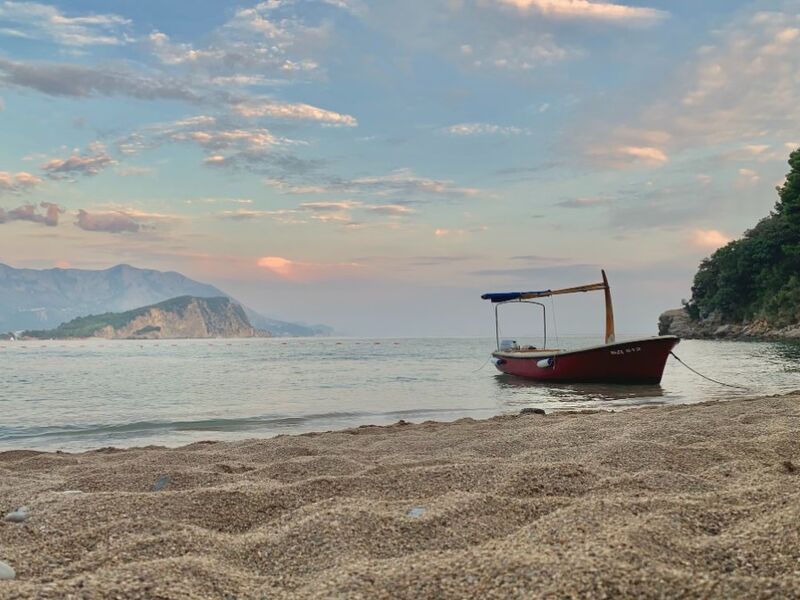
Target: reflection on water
789,353
87,394
606,393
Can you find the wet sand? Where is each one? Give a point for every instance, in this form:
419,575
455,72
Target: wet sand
685,501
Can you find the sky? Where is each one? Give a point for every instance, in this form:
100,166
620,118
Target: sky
376,165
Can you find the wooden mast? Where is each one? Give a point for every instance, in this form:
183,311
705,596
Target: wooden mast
516,296
610,337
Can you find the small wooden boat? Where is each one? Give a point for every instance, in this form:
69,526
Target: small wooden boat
637,361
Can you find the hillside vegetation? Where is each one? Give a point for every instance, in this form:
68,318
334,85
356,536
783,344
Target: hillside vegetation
756,277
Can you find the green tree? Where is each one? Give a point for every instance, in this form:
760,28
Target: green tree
757,276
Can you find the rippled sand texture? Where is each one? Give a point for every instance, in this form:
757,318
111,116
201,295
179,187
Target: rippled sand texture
685,501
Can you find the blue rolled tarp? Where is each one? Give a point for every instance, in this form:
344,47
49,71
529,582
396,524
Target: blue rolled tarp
506,296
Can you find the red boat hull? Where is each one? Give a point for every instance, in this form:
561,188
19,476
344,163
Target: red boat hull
633,362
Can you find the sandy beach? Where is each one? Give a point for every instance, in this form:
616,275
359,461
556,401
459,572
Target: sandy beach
681,501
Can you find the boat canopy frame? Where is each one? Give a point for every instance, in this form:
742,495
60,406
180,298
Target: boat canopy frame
498,299
497,306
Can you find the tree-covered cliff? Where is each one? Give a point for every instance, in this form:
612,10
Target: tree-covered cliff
756,277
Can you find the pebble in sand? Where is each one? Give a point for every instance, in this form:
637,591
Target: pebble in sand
20,515
6,572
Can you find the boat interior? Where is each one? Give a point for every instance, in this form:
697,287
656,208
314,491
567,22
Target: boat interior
526,352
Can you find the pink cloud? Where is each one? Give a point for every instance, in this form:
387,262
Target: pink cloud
30,213
586,9
80,164
295,112
303,271
17,182
709,239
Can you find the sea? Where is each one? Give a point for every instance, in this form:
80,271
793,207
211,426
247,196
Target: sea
80,395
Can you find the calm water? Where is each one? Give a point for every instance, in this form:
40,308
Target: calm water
87,394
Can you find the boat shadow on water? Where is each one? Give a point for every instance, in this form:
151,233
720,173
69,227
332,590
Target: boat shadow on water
542,392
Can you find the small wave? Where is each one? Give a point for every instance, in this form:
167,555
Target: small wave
263,423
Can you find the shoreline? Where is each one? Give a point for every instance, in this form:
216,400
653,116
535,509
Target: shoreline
696,500
677,322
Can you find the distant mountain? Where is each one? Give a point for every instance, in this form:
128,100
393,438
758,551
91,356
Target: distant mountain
44,299
183,317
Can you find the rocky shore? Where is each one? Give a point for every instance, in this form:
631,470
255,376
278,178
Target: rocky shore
677,322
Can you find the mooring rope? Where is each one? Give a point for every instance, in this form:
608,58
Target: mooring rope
484,364
730,385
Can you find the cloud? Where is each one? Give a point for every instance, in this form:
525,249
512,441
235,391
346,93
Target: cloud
215,160
109,222
303,271
589,10
516,52
470,129
355,7
81,164
245,140
748,177
404,182
294,189
330,211
441,232
30,213
756,149
276,264
215,200
339,211
44,22
294,112
623,156
79,81
17,182
709,239
226,145
392,210
268,38
286,216
396,190
585,202
121,220
742,87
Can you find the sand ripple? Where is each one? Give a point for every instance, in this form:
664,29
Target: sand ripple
693,501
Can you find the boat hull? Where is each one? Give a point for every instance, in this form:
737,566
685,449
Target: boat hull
632,362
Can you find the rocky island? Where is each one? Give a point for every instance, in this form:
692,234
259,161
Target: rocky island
182,317
750,288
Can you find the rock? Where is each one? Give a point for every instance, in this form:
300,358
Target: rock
532,411
6,572
161,483
20,515
722,331
416,512
678,322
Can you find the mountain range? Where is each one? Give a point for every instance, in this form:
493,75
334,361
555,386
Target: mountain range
46,298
